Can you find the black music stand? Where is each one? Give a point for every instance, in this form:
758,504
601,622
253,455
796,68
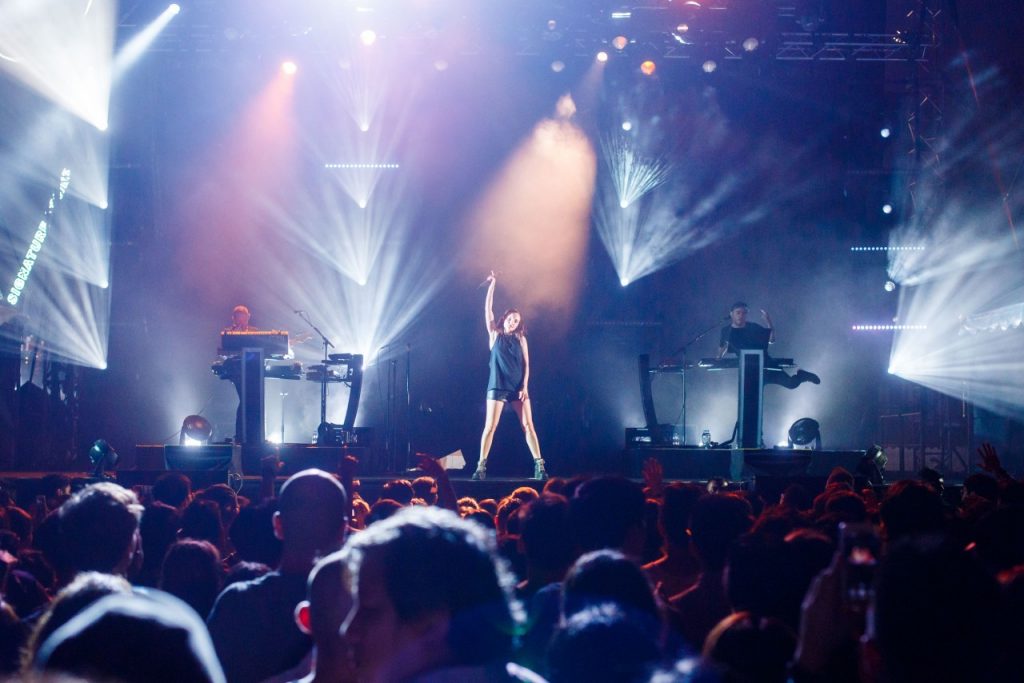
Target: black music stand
253,430
323,378
750,398
684,366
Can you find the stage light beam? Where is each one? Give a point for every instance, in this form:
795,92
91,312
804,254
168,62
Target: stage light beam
62,53
633,172
137,45
534,218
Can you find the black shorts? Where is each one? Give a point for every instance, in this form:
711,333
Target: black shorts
502,395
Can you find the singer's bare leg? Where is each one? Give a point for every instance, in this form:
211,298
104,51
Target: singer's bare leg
525,414
493,416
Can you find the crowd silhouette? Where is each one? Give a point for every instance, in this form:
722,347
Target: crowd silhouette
589,579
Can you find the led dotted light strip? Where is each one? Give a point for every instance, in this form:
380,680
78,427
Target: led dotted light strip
874,328
36,245
887,248
361,166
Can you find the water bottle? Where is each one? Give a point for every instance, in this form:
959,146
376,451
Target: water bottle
705,438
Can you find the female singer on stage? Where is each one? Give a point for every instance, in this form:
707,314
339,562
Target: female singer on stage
509,381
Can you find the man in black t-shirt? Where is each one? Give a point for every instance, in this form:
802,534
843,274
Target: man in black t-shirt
740,334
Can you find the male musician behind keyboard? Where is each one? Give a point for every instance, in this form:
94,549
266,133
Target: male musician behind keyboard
740,334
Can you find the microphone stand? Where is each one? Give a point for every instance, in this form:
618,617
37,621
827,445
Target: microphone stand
684,365
323,376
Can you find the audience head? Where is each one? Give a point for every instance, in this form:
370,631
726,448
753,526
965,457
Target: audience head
546,534
201,521
506,519
158,529
225,498
399,490
808,552
525,494
839,476
425,488
192,571
608,512
133,638
467,504
245,571
172,488
382,509
932,478
796,498
430,592
84,590
932,598
911,508
252,534
751,649
846,506
322,614
602,644
717,521
360,511
483,518
99,529
312,513
609,576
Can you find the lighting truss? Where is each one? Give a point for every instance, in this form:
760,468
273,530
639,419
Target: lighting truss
654,35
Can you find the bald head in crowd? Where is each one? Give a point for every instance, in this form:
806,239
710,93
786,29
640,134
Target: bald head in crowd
253,622
312,512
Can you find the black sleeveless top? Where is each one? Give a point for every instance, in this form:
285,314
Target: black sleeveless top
507,367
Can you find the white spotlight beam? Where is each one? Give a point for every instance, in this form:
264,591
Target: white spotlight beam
964,201
633,173
647,236
131,51
56,138
986,367
62,50
71,315
363,319
327,225
361,82
651,213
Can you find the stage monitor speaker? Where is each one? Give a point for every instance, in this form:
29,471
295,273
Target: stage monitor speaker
198,458
777,463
